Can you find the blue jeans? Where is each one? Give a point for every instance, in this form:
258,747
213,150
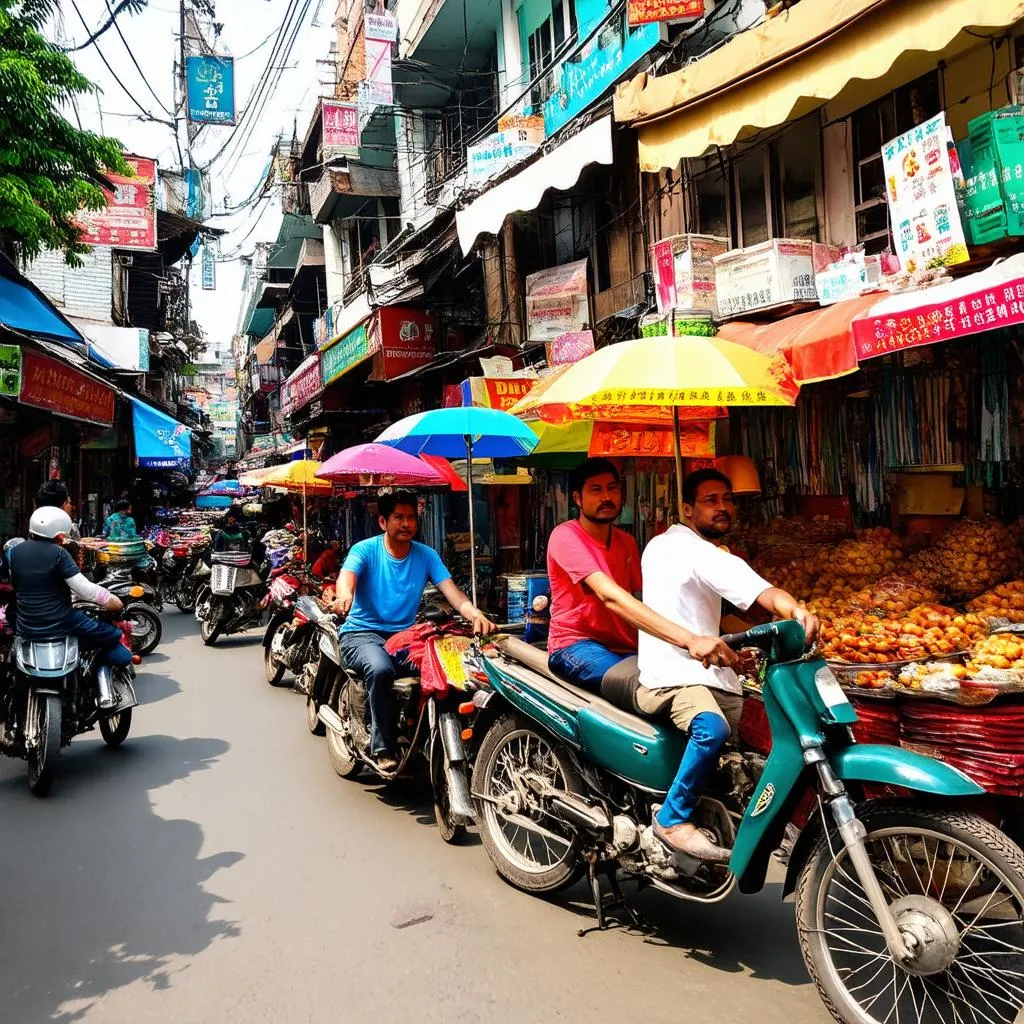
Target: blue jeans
99,635
364,653
584,663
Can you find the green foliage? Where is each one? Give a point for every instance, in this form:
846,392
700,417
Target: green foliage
49,169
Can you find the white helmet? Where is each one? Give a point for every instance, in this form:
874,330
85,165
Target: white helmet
48,522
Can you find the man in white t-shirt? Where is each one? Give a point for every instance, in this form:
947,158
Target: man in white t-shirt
686,575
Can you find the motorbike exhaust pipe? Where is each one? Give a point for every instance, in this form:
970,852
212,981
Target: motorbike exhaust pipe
330,718
459,799
105,685
578,812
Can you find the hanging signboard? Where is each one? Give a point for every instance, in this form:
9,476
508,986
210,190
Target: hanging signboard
380,32
402,340
302,386
344,354
570,347
921,191
10,371
129,219
340,129
556,301
496,392
209,268
211,89
617,440
643,12
58,388
381,26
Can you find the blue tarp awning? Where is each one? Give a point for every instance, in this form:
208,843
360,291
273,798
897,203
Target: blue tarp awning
24,308
160,441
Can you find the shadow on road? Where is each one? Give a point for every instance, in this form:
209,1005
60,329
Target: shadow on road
99,891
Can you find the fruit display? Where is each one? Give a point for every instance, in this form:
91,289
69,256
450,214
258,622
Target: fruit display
1003,602
970,557
855,563
927,631
936,676
999,651
877,679
893,595
792,567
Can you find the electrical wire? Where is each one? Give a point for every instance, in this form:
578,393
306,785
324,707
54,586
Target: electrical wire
124,5
142,75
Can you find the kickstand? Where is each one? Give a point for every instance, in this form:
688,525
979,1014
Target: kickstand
613,901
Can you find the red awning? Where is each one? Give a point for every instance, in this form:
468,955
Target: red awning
818,345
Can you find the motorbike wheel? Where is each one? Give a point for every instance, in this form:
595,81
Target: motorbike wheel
537,858
344,760
147,629
274,670
956,884
316,727
452,833
211,626
115,728
185,598
42,761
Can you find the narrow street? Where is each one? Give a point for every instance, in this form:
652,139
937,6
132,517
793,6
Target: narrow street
215,869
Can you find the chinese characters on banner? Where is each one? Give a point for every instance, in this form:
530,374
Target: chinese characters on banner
211,89
380,31
496,392
1001,305
696,440
922,198
209,267
341,129
557,301
570,347
643,12
58,388
129,220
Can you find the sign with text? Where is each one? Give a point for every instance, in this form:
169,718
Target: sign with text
58,388
613,440
403,340
380,32
340,129
919,185
302,386
570,347
344,354
211,89
496,392
556,301
209,267
129,219
382,27
643,12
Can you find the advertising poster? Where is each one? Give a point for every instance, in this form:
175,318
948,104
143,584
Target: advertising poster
129,220
341,129
211,89
921,192
557,301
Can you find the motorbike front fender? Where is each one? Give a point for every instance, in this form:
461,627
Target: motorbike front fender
893,766
280,616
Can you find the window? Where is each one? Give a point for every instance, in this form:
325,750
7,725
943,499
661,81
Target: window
753,200
547,42
873,126
798,165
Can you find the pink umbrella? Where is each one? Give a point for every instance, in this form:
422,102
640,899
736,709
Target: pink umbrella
379,465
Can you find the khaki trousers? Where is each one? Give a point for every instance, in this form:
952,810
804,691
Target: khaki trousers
685,703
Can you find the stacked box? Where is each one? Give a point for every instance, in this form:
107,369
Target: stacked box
778,271
691,270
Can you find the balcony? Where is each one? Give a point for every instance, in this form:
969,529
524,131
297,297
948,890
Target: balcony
344,187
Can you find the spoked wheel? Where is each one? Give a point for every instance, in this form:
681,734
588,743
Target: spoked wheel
210,627
451,832
44,753
147,629
956,886
344,760
532,851
185,598
115,728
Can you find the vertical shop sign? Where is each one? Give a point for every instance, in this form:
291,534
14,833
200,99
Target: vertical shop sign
129,219
921,191
340,129
380,32
209,267
643,12
211,89
10,371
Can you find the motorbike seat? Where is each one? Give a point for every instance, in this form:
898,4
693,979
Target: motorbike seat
404,685
570,696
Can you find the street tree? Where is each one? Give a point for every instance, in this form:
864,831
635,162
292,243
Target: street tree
49,168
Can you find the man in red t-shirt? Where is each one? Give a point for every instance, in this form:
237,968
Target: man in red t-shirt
594,569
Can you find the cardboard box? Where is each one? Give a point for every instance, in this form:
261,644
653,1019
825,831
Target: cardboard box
775,272
684,271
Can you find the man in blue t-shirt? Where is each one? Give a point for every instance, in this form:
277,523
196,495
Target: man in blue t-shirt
379,590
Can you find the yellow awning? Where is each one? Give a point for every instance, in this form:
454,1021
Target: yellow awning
794,63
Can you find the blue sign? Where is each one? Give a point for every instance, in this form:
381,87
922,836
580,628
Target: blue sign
209,268
160,442
211,89
586,76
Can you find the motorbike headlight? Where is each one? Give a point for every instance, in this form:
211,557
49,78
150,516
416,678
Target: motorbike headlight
136,592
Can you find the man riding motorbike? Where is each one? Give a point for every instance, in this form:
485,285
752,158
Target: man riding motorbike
379,590
594,569
231,536
686,577
45,577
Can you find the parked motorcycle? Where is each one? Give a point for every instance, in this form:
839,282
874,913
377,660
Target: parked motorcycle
232,602
290,641
193,580
51,692
177,566
139,610
908,907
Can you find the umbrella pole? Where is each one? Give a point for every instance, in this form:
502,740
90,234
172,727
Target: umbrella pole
305,527
472,525
679,461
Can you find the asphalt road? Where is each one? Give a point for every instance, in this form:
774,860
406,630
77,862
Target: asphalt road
216,869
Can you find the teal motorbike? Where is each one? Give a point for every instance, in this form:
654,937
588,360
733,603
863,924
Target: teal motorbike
909,904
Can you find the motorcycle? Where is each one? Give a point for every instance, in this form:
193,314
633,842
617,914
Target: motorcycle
903,893
194,578
429,731
177,566
52,692
290,641
140,610
232,602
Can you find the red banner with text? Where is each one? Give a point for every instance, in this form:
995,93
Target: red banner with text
58,388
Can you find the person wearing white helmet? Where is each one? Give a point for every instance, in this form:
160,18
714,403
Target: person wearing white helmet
45,576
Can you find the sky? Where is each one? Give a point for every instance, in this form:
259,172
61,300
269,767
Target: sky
248,25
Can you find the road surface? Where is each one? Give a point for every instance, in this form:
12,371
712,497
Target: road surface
215,869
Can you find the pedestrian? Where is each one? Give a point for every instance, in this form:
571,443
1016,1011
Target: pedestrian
120,525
